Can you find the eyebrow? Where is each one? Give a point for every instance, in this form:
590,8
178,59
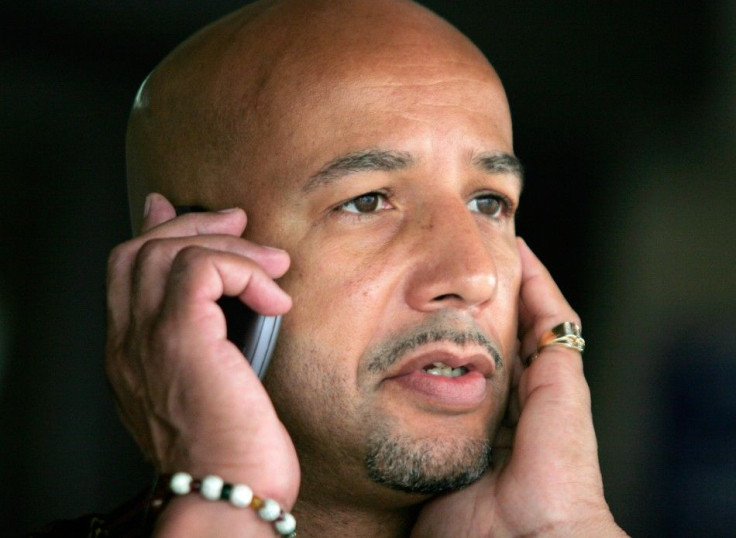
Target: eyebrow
369,160
378,160
500,163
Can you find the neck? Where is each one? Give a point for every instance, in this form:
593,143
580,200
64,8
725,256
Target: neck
341,504
324,518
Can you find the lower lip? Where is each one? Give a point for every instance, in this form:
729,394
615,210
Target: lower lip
464,391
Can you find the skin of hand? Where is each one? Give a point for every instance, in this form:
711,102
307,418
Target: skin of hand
546,480
184,391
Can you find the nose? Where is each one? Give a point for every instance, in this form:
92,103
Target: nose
455,265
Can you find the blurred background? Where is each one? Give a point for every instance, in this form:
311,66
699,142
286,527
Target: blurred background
625,116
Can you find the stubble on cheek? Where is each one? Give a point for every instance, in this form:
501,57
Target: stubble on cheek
314,397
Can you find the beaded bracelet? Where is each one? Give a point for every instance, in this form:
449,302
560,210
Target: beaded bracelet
214,488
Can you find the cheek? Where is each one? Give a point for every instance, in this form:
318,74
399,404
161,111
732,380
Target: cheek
312,396
315,369
337,302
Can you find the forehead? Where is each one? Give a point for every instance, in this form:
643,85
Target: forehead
421,106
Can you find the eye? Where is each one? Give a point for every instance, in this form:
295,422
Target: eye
491,205
366,203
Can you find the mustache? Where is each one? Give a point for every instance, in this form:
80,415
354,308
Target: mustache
387,354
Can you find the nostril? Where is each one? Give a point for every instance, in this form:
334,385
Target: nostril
447,296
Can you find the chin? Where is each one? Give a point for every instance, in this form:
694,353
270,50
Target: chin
426,465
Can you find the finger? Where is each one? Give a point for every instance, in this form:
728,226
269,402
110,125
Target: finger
156,210
557,381
541,303
200,276
122,257
275,262
153,264
163,222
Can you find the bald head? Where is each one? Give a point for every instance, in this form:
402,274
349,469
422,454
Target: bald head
221,112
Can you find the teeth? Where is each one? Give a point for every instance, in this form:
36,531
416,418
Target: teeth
440,368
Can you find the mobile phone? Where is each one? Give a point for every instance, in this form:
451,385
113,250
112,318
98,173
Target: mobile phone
254,334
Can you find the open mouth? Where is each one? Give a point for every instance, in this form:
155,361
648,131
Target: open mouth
442,369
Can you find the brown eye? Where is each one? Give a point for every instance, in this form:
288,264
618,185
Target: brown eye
365,203
489,205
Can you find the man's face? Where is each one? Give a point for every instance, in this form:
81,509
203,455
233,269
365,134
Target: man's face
394,190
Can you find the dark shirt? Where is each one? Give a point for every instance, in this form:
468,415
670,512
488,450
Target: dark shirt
134,519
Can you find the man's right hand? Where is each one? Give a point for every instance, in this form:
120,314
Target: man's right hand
184,391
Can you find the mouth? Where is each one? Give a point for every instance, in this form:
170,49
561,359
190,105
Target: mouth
445,378
448,361
442,369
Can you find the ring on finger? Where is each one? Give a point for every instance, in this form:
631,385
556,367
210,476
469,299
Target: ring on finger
566,334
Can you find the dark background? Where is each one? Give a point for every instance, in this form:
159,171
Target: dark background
625,116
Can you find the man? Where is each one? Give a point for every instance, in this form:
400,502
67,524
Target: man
371,142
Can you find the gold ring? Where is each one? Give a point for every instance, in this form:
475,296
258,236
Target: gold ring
565,334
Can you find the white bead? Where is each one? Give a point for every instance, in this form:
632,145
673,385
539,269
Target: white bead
241,495
270,510
286,526
212,487
181,483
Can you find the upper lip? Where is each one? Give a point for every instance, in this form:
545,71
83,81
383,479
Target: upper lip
473,357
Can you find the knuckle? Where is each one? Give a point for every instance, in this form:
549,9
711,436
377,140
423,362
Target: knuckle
149,252
119,256
190,258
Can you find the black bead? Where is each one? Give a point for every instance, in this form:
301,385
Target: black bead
226,490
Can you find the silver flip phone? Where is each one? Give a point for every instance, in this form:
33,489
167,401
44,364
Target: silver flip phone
254,334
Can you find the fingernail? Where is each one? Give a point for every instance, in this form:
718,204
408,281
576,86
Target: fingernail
274,249
229,210
147,205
